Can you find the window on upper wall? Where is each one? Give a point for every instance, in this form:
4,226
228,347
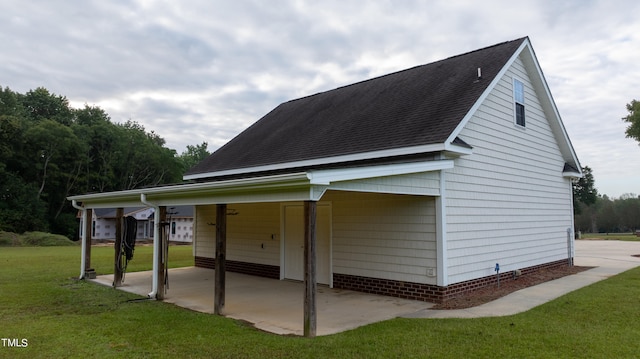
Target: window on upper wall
518,98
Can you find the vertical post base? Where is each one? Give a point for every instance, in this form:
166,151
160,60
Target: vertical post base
221,255
310,280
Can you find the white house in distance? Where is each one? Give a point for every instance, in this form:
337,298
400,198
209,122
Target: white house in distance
180,218
414,184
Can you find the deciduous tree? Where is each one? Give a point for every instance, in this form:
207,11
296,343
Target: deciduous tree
40,104
633,118
193,155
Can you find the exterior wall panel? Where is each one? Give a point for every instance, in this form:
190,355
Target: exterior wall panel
253,232
383,236
204,244
427,183
507,203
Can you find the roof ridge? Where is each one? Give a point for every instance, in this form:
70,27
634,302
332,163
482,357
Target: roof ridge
407,69
482,49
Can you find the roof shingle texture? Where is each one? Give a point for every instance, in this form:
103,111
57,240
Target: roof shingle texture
418,106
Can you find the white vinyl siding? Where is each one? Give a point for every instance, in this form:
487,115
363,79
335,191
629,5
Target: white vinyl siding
383,235
507,203
204,234
426,183
253,234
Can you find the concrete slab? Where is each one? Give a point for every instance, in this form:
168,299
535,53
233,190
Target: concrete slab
277,306
272,305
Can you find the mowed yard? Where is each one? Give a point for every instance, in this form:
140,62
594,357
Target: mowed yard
60,317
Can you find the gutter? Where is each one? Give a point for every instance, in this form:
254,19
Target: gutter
156,244
83,223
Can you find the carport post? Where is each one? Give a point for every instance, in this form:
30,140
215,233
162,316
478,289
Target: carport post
88,225
161,253
117,246
221,255
310,283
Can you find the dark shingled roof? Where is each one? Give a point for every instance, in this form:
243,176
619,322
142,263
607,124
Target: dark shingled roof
418,106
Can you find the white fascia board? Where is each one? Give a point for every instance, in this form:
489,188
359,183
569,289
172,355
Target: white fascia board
572,174
131,198
322,161
326,177
120,199
275,181
458,150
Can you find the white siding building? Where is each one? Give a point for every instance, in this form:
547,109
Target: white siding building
417,183
103,224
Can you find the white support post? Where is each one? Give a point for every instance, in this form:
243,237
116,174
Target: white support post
83,240
156,245
83,236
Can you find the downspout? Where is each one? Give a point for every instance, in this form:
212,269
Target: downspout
84,236
570,231
156,243
442,272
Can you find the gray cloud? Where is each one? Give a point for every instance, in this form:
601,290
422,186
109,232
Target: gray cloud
204,70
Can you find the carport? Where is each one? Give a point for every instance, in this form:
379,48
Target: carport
305,188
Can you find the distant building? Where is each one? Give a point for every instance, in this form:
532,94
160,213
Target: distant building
103,223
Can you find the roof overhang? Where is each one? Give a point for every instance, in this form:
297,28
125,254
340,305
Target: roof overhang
329,176
274,188
570,171
571,174
394,152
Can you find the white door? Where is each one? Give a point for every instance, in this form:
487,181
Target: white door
294,243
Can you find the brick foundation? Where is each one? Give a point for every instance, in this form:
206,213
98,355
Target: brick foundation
426,292
392,288
260,270
205,262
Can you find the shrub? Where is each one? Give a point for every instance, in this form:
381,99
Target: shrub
33,239
9,239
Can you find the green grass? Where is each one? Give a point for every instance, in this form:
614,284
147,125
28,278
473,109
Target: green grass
102,258
63,317
611,236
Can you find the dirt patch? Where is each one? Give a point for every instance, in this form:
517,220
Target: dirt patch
493,292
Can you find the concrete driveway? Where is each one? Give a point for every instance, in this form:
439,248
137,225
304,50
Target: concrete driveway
607,257
277,306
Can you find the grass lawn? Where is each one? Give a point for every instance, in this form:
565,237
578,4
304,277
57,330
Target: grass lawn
62,317
611,236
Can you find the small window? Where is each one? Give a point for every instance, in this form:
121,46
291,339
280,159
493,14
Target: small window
518,96
173,227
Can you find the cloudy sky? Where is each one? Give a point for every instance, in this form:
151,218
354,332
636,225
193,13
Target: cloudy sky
197,71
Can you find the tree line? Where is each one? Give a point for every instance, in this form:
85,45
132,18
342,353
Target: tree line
49,150
595,213
610,215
